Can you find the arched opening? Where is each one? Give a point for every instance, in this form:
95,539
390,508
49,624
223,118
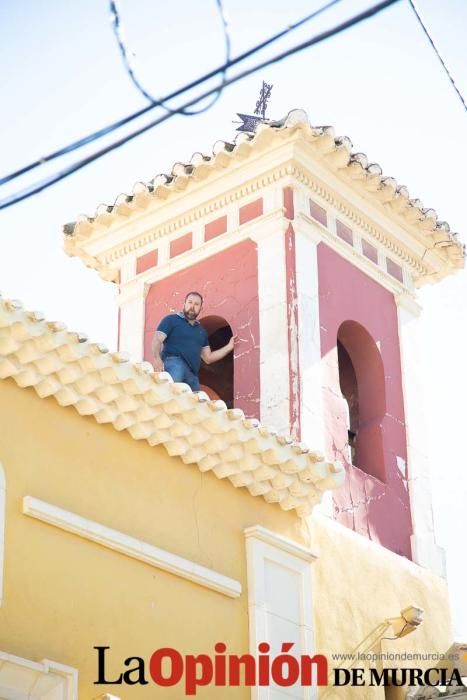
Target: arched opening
217,379
361,377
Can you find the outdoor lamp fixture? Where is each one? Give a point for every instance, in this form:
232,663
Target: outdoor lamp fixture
410,618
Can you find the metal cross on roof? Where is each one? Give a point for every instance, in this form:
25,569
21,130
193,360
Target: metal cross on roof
249,121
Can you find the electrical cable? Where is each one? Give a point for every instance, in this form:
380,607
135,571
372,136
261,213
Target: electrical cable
35,188
128,55
427,33
84,141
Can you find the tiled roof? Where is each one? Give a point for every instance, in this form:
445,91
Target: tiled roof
337,152
150,406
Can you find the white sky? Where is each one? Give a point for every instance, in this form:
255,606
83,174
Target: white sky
379,83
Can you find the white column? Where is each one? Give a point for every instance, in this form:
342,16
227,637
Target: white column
131,301
309,340
425,551
309,344
273,328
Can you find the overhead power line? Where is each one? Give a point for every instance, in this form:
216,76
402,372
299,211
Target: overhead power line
90,138
128,61
61,175
428,35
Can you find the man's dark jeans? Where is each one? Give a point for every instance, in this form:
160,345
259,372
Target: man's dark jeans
180,371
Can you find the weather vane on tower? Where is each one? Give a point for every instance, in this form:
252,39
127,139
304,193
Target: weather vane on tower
262,102
250,122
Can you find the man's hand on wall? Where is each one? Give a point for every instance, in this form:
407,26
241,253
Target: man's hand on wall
158,364
231,342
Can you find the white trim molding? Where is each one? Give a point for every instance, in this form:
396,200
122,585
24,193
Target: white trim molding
36,680
131,547
2,527
279,602
280,542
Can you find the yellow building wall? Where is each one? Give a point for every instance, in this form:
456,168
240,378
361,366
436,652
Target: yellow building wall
357,585
63,595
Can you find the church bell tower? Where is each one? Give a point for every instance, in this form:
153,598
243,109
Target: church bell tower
312,257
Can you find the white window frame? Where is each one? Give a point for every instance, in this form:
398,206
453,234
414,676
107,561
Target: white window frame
263,545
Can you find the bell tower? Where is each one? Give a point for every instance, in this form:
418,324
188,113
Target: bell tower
312,257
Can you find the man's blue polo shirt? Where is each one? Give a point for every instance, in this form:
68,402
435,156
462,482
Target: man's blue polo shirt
183,339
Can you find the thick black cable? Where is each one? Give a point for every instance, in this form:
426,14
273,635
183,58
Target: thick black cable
128,55
57,177
131,117
427,33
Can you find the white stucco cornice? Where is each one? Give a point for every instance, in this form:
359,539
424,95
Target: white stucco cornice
130,546
290,149
151,407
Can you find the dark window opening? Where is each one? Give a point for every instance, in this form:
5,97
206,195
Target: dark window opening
349,389
361,378
217,379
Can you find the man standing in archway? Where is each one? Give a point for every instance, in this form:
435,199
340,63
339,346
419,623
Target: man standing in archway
180,342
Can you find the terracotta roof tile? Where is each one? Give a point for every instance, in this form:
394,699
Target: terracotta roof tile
150,406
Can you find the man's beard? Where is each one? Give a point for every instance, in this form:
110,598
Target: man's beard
192,315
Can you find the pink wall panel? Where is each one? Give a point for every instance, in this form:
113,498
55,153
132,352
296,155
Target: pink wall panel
251,211
145,262
318,213
181,245
215,228
376,508
292,317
